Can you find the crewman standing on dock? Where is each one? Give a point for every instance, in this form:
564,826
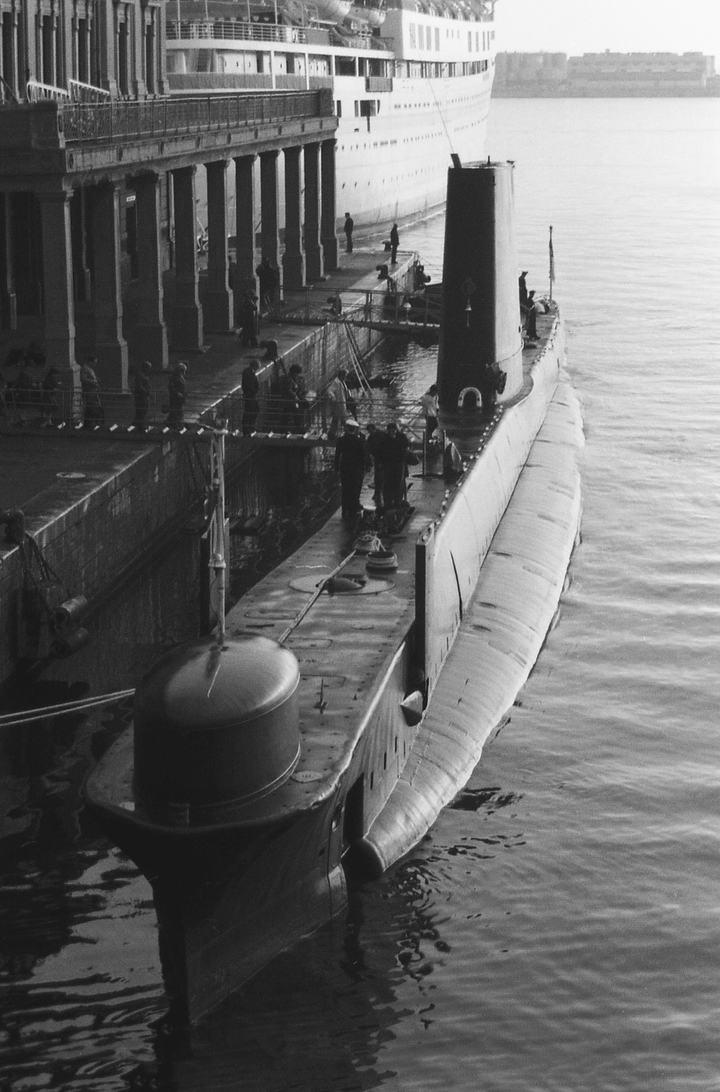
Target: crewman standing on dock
251,403
93,413
337,399
141,394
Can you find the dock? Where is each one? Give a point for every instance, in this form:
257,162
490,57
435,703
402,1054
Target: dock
92,500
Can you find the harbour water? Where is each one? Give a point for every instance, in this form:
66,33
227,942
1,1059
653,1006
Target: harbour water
558,928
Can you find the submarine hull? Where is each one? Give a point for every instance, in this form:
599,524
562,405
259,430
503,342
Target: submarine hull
398,683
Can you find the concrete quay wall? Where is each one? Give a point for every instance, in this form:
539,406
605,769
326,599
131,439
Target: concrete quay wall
136,495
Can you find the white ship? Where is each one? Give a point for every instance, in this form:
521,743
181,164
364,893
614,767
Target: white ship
411,81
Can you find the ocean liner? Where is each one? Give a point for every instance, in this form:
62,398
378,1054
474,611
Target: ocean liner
411,81
343,704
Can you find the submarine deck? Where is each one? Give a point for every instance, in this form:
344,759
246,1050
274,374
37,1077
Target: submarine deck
344,642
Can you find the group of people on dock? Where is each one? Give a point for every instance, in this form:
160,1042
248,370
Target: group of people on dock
35,398
29,394
288,403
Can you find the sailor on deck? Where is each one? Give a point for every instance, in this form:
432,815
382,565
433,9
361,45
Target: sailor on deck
352,460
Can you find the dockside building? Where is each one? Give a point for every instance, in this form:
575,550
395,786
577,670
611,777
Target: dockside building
598,75
101,247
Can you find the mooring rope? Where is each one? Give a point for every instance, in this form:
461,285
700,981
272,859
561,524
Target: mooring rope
9,720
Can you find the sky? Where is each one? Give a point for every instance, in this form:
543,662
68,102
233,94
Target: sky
622,26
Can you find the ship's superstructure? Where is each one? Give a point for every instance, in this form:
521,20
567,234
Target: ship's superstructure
411,83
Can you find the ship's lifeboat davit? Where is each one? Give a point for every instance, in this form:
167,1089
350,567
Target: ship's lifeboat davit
326,11
215,728
373,15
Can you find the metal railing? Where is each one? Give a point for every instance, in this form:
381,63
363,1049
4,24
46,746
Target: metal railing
236,31
87,92
41,92
159,117
416,311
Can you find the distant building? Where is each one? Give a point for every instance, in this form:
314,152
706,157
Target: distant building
596,75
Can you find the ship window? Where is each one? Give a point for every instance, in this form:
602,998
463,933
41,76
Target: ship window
437,39
411,32
338,108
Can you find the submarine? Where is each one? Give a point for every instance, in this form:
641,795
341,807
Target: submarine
327,722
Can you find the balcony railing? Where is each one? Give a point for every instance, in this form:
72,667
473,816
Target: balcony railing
86,92
41,92
162,117
236,31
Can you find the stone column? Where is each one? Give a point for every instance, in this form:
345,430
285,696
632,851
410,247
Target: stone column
269,208
218,299
110,345
314,266
105,56
245,220
293,257
328,215
8,299
58,280
148,338
187,321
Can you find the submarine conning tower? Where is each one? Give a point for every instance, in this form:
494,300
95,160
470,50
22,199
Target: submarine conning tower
480,303
215,728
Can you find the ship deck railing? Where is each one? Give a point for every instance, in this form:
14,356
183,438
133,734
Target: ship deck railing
237,30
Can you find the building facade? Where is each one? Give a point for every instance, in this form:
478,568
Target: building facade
100,170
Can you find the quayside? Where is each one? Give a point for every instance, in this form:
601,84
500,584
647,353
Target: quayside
330,726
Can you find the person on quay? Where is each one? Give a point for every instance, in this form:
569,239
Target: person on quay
348,229
269,280
393,458
177,393
26,393
301,404
337,397
49,407
394,244
141,394
251,402
352,461
431,409
249,320
93,413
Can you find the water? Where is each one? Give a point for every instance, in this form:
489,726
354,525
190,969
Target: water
558,929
